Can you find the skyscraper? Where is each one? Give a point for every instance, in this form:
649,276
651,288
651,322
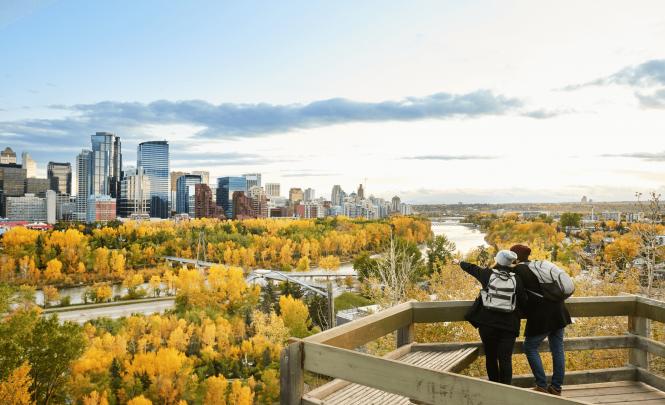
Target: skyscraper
153,156
134,193
60,177
272,189
83,179
12,183
29,165
395,204
106,164
361,192
226,186
253,179
310,194
183,192
8,156
336,197
204,207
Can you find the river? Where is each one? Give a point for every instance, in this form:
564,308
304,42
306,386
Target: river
466,237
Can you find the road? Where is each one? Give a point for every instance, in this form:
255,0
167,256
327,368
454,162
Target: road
85,314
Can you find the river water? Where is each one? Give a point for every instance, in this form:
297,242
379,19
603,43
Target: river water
466,238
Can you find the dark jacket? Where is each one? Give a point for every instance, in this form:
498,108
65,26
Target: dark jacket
542,315
479,315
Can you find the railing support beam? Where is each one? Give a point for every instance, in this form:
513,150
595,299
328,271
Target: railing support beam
291,374
638,326
405,335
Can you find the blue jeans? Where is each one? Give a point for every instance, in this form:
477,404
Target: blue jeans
555,340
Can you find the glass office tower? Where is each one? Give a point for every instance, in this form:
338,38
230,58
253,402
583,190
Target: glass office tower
153,156
106,164
225,188
60,177
182,191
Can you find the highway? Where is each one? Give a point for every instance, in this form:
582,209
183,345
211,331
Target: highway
88,312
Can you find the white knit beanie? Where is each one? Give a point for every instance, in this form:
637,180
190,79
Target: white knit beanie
505,257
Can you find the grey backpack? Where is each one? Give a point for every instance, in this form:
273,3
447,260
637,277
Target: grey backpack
556,284
501,292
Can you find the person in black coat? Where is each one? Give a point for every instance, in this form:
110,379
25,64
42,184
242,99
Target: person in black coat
498,330
544,319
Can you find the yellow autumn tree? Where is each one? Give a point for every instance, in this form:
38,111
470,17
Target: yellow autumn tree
140,400
329,262
15,389
117,263
155,285
295,315
50,295
101,265
103,293
623,250
303,264
215,390
53,270
94,398
240,395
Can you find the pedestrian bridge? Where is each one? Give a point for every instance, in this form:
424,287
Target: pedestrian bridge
428,373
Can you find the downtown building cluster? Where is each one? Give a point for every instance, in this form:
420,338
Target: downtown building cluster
107,189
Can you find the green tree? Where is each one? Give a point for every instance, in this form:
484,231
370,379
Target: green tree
570,220
365,266
439,252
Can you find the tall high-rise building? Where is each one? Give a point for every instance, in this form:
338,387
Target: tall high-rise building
337,195
259,201
296,194
106,165
7,156
361,192
253,179
153,156
395,204
29,165
204,206
83,181
12,183
182,191
60,177
226,186
272,189
172,188
205,175
134,193
310,194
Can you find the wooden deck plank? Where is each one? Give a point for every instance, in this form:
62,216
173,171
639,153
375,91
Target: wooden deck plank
616,393
362,395
625,398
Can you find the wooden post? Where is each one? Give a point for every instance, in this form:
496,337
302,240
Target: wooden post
639,326
331,306
405,335
291,379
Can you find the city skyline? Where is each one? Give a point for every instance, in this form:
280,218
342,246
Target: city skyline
409,108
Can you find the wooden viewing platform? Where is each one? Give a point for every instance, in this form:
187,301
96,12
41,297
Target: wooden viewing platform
427,373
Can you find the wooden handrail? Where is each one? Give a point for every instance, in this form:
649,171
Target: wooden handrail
428,386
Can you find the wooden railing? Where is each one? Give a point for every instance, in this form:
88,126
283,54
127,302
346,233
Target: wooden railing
330,353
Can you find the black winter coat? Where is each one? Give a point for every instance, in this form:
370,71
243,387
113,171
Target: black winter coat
542,315
479,315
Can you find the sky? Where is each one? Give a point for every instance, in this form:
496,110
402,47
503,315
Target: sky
434,101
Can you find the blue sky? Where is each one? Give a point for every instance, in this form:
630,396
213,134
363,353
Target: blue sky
431,100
